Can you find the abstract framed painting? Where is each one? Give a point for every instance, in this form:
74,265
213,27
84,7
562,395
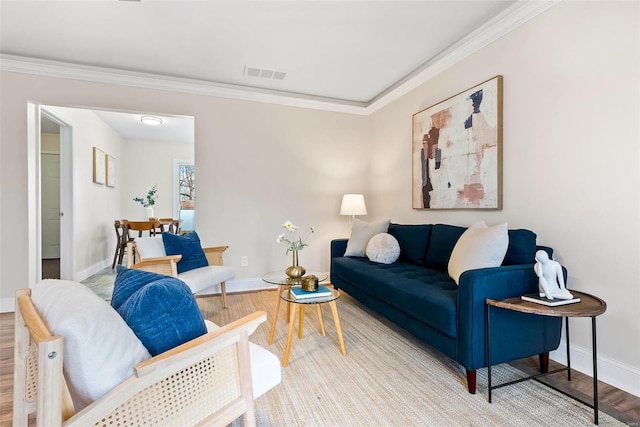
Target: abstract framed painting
457,151
99,166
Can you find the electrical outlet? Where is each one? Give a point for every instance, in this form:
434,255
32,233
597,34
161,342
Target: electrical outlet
244,261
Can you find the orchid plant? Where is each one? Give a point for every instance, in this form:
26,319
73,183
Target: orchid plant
150,200
292,239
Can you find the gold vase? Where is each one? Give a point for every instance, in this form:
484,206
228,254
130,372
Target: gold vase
295,271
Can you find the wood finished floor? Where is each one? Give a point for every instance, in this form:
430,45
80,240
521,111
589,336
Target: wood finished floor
617,403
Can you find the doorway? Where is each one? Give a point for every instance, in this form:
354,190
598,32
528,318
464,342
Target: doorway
55,153
120,134
50,213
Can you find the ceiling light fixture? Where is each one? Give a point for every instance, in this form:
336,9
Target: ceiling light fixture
151,120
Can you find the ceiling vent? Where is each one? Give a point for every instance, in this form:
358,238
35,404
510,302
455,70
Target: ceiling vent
264,73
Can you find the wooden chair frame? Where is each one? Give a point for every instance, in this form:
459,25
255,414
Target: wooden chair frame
152,226
168,265
40,387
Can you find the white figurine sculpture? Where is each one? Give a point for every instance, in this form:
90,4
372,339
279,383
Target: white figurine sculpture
551,280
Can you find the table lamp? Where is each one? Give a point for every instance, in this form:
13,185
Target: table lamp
353,204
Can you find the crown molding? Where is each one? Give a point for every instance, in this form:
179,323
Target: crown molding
507,21
516,15
49,68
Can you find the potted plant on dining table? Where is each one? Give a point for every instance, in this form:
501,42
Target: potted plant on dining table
148,202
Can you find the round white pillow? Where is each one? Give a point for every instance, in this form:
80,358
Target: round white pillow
383,248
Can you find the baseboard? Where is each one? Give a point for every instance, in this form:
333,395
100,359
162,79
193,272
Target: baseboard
248,285
610,371
91,270
241,285
7,305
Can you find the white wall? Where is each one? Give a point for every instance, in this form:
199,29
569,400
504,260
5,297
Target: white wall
95,205
571,156
145,164
140,164
257,164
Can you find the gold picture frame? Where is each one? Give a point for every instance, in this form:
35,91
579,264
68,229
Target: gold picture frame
99,166
457,151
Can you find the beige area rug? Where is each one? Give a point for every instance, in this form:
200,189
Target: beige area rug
387,378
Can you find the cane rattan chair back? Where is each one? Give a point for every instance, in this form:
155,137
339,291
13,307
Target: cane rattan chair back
206,381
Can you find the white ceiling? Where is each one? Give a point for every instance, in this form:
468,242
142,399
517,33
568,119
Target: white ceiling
346,50
349,53
174,129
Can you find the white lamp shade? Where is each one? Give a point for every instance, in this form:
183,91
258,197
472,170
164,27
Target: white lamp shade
353,204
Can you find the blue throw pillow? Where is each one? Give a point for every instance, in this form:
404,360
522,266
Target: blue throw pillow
522,247
413,240
443,239
163,314
128,281
189,247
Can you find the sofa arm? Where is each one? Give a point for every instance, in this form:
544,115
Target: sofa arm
521,335
338,247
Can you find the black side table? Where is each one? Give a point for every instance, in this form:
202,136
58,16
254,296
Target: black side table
589,306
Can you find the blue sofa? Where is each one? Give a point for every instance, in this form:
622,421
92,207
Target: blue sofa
417,294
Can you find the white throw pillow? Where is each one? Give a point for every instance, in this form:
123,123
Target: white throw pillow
383,248
479,247
361,232
150,247
100,350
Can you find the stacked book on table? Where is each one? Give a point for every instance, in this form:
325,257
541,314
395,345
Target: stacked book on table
298,293
548,302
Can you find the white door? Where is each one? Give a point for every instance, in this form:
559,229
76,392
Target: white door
50,206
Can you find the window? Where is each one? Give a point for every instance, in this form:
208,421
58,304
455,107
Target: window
185,184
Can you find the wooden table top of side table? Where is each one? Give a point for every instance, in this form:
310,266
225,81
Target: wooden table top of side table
589,306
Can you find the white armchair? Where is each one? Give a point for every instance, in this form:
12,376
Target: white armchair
212,379
148,253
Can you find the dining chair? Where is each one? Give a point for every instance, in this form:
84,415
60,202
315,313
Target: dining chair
168,224
173,225
121,242
152,226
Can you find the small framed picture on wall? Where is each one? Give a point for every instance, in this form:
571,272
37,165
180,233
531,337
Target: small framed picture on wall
99,166
111,171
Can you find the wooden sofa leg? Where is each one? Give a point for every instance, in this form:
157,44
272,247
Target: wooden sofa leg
471,381
544,362
223,293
